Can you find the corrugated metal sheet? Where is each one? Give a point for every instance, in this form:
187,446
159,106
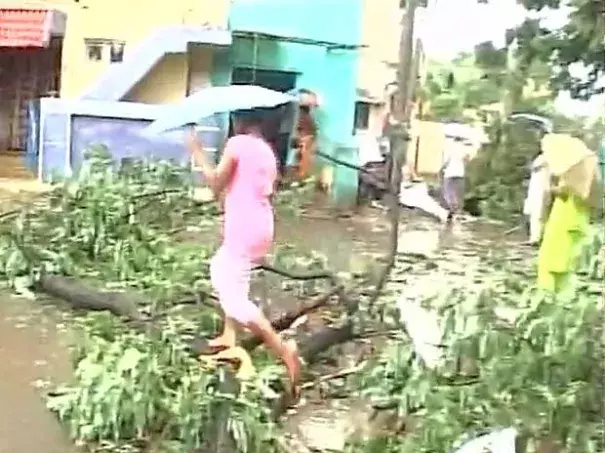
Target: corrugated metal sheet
25,27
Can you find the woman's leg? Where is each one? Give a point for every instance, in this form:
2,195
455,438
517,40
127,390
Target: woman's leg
448,193
287,351
231,276
219,277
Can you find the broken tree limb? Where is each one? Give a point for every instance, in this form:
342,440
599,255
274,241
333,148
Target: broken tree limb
80,296
351,305
339,374
318,275
399,137
371,178
284,321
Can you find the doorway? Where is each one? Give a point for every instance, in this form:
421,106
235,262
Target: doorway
26,73
274,80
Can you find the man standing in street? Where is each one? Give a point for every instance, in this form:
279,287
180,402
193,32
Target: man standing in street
455,158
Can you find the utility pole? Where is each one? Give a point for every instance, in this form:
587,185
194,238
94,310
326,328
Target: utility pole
399,137
400,130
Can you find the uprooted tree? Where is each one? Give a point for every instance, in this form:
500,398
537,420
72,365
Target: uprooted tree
111,241
117,243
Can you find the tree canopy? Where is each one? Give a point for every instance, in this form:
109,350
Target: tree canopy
580,40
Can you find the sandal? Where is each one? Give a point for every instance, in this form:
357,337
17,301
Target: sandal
202,346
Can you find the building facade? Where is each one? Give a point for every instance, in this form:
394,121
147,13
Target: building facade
65,47
379,59
156,52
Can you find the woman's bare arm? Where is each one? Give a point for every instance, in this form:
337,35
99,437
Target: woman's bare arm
217,178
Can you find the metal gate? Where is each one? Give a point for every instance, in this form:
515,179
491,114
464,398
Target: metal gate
25,74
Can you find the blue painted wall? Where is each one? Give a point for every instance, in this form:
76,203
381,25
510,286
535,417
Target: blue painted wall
337,21
329,71
69,127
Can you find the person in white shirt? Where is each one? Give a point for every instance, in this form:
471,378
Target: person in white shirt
373,185
537,199
455,158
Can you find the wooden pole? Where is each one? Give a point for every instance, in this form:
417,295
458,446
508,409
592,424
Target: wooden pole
405,71
399,138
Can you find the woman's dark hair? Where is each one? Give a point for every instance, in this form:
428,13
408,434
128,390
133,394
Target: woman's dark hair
247,119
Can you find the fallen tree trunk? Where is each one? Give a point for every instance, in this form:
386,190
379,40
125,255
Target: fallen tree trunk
284,321
82,297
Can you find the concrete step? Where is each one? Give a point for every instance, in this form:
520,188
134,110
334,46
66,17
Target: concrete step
12,166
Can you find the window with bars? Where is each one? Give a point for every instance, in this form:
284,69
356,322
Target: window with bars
419,3
109,50
362,115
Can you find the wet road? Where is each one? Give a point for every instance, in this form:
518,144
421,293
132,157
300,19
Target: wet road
33,353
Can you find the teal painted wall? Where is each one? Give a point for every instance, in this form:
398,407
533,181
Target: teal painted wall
308,28
337,21
330,73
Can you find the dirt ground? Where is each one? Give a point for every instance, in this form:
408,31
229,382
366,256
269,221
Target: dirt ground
33,353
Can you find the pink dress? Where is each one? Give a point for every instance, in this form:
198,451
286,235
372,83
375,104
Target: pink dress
248,224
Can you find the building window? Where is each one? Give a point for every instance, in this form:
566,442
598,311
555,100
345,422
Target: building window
362,115
94,51
104,50
420,3
116,51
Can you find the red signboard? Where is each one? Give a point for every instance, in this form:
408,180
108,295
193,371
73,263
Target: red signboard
25,27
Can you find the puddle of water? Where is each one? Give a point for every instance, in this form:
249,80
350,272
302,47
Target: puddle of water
34,353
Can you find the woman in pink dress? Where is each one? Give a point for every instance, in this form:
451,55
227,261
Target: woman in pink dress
245,176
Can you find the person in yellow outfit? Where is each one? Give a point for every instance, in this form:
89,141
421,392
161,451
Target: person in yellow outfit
564,231
568,223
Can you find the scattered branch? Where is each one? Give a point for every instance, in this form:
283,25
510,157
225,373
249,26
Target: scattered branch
329,377
319,275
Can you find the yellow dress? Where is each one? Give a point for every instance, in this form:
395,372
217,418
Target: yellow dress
564,231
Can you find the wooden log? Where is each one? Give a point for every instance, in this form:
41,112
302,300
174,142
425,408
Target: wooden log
285,320
82,297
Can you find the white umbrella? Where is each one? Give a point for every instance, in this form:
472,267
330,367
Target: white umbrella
210,101
465,132
543,122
